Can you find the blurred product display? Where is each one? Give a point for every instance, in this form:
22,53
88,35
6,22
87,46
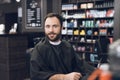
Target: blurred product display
111,70
114,56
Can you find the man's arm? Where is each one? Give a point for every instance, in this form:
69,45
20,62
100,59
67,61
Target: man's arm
57,77
70,76
38,69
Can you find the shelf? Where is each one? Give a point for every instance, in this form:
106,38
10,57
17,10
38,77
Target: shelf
94,20
85,1
100,8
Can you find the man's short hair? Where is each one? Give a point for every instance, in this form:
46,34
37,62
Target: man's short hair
58,16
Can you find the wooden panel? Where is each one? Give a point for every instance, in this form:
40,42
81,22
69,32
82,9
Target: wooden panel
13,57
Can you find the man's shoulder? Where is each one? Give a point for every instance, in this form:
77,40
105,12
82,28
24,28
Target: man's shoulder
41,43
66,43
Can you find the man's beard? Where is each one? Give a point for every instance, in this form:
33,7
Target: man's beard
58,36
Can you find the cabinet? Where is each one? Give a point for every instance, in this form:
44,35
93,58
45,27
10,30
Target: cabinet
13,57
87,25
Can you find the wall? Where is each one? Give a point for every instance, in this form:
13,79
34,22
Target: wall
7,8
117,20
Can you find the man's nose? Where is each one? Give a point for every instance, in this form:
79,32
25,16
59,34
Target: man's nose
51,28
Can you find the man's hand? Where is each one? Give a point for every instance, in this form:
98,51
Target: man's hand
72,76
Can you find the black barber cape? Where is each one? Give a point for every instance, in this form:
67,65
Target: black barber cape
47,60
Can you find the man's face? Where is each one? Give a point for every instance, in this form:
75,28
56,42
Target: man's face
52,28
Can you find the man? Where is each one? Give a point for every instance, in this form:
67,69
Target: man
55,59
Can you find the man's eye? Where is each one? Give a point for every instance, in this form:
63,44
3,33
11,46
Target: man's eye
55,26
47,26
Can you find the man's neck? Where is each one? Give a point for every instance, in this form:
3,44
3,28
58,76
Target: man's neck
55,43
